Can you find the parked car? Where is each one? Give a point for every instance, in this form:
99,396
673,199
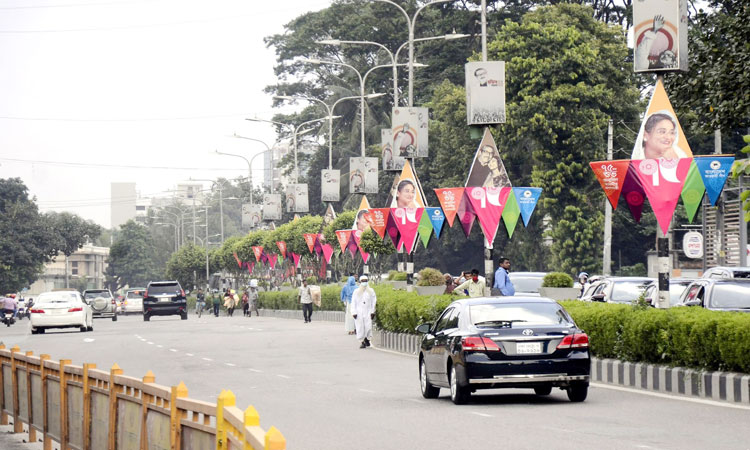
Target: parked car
132,301
676,287
503,342
63,309
102,303
721,272
718,295
527,283
164,298
618,289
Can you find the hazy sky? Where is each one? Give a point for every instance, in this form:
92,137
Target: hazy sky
93,92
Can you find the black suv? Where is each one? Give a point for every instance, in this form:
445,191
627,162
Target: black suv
164,298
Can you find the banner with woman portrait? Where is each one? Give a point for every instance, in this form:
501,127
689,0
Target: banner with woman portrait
363,219
409,128
272,207
406,191
661,135
390,160
363,175
660,35
487,169
330,185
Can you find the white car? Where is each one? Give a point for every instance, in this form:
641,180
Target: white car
61,309
133,301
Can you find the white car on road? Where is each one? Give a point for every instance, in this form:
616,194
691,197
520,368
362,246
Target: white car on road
61,309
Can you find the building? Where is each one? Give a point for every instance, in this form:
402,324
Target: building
122,203
85,269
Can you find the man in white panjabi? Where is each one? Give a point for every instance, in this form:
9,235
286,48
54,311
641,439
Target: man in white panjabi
363,311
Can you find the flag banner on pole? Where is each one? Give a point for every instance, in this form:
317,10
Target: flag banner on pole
353,244
237,258
714,170
282,248
296,257
527,199
488,205
450,200
250,267
357,237
272,258
692,192
343,238
511,213
258,252
634,194
663,180
407,222
611,176
310,240
437,218
327,252
391,228
318,244
425,229
466,214
379,218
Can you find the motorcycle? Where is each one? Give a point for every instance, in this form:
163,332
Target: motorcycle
8,318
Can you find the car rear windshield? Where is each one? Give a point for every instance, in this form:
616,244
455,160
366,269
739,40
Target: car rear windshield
90,295
741,274
134,294
527,284
731,295
628,291
161,289
55,297
524,314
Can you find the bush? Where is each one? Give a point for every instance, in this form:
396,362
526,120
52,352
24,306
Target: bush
430,277
557,279
330,299
398,276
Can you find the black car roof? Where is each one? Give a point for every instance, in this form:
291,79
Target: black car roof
501,300
164,282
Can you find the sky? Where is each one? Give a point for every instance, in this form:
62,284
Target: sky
95,92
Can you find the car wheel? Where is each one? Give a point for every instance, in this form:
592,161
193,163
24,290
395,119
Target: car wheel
428,390
114,318
459,394
146,317
577,392
183,316
34,331
40,330
543,390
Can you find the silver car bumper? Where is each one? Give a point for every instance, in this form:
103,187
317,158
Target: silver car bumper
546,378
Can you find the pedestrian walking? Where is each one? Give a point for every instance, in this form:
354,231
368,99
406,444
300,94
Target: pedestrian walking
245,303
502,281
346,297
305,298
253,298
474,286
216,302
230,301
363,311
449,284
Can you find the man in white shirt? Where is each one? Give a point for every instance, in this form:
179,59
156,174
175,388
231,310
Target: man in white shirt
363,311
305,297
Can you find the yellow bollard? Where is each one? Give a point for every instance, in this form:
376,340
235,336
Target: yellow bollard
252,419
175,429
226,398
275,440
146,399
112,419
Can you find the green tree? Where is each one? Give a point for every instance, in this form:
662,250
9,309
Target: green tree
71,232
188,266
132,260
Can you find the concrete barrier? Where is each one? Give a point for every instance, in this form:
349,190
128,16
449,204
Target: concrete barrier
82,408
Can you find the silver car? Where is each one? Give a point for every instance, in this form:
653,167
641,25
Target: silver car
133,301
102,303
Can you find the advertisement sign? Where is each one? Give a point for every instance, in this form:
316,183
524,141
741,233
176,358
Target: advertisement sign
343,238
660,36
390,161
437,218
282,248
379,218
692,244
310,239
271,206
488,205
251,215
363,175
296,198
485,92
660,135
409,128
487,169
330,185
258,252
406,191
363,219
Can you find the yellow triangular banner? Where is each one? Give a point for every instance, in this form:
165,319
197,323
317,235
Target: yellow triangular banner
661,135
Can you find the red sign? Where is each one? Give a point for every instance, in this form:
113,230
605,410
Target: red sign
282,248
450,200
379,220
310,240
343,237
258,251
611,176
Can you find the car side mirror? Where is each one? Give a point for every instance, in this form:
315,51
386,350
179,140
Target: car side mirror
597,297
424,328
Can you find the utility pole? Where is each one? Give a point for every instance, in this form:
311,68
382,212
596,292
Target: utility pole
663,261
607,261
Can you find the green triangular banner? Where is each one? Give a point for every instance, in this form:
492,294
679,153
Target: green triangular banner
511,213
425,229
692,192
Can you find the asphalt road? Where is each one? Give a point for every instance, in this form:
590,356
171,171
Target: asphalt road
313,383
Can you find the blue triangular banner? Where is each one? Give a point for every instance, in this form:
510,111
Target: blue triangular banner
714,171
437,218
527,198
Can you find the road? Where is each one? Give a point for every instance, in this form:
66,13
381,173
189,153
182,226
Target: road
313,383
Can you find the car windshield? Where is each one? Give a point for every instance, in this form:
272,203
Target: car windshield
135,294
91,295
161,289
524,314
527,284
731,296
741,274
55,297
628,291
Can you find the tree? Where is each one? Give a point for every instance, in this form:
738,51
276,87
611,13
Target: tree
70,233
26,239
132,260
188,266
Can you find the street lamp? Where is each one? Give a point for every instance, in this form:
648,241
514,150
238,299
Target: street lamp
267,150
221,204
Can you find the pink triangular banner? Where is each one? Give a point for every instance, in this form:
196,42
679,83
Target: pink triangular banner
662,180
296,257
327,252
488,204
407,222
357,236
272,260
466,215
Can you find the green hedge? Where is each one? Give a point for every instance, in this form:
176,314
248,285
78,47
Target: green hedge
330,299
687,337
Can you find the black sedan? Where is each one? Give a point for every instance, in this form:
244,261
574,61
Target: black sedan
504,342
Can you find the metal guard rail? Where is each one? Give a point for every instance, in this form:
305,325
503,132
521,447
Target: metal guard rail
83,408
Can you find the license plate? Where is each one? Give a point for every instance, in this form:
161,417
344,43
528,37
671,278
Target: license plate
165,299
524,348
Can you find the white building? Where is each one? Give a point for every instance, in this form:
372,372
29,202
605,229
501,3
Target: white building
85,269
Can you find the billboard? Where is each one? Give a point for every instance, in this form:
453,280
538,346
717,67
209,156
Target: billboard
296,198
390,161
363,175
409,128
485,92
660,38
487,169
272,207
330,185
251,215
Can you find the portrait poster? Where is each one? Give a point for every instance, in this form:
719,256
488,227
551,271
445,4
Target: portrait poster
291,197
246,215
328,217
487,169
363,219
272,207
660,135
330,185
406,191
363,175
409,128
485,92
660,38
390,161
301,198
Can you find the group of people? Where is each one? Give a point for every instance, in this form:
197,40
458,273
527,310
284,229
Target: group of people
360,301
472,284
213,300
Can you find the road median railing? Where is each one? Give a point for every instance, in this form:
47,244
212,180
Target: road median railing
81,408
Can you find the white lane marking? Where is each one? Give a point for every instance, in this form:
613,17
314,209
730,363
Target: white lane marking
481,414
159,346
189,354
324,383
143,340
366,390
89,340
231,365
207,359
172,349
284,376
150,343
672,397
255,370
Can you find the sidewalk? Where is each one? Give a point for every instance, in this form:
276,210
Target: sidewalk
10,441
